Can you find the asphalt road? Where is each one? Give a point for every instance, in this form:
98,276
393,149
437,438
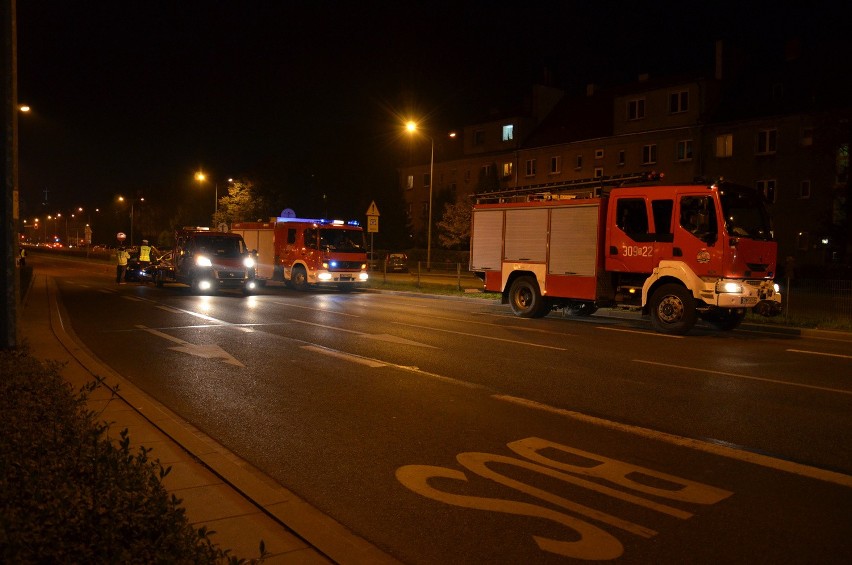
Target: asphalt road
450,431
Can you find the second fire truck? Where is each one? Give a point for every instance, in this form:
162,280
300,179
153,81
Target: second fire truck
307,252
678,253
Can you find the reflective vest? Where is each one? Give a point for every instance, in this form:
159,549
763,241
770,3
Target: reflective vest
145,253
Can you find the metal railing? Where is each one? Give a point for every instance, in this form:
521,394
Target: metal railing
818,301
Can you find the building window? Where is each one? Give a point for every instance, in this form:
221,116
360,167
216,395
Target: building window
479,137
485,171
636,109
724,145
530,167
598,172
767,141
409,183
426,179
807,137
767,188
579,163
508,132
555,165
684,150
507,169
805,189
599,153
467,175
679,102
622,156
649,154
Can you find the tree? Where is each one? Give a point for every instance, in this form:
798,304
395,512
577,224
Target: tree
243,203
454,227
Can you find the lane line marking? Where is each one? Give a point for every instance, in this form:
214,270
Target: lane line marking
656,334
344,356
323,310
820,353
698,445
516,342
747,377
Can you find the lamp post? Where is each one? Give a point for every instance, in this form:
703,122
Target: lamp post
132,202
412,127
201,177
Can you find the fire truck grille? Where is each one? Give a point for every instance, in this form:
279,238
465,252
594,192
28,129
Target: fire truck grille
347,266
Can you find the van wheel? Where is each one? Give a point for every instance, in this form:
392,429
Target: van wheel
299,278
672,309
526,300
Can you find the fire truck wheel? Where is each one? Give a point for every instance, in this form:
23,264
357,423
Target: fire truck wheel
526,299
725,319
299,278
672,309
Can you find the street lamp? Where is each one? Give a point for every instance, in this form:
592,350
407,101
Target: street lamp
412,127
132,202
201,177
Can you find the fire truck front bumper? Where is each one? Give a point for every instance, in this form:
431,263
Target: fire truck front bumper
337,278
760,295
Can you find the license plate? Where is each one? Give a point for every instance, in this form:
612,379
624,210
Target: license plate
748,300
347,278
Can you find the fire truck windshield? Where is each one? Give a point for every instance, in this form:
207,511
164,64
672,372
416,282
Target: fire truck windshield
342,240
745,213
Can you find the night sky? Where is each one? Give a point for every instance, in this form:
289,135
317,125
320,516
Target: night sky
132,97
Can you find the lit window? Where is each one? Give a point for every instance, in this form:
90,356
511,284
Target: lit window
507,169
649,154
724,145
409,184
508,132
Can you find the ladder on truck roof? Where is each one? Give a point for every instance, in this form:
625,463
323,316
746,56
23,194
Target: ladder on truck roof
577,188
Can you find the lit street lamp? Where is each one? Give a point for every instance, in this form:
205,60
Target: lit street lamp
412,127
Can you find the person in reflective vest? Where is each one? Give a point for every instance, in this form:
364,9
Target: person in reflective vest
145,251
121,257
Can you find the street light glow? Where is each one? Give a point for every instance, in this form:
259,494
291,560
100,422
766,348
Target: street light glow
201,177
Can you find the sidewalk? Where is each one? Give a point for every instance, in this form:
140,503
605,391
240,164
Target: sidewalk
218,489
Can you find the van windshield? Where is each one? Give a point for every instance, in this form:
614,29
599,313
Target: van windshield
745,213
220,246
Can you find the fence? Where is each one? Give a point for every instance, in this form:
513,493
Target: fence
823,302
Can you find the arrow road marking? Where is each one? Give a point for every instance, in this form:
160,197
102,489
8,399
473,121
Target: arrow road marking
209,351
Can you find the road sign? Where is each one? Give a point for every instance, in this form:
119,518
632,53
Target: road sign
373,210
373,218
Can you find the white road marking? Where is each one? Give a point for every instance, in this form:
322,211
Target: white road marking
133,298
516,342
747,377
715,449
170,309
323,310
208,351
638,332
820,353
379,337
344,356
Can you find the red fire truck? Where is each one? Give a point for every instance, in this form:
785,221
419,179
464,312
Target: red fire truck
307,252
676,253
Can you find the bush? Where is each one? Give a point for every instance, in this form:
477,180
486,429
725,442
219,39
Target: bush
68,494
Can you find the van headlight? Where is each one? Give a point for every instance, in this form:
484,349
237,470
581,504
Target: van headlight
202,261
249,262
776,287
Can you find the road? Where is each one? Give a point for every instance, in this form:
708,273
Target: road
449,431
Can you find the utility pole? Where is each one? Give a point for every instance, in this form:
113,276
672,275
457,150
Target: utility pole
9,284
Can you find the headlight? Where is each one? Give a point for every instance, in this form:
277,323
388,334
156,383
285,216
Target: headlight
324,276
776,287
203,261
249,262
729,287
363,276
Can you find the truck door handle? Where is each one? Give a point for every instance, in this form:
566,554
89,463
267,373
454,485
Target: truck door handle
677,252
